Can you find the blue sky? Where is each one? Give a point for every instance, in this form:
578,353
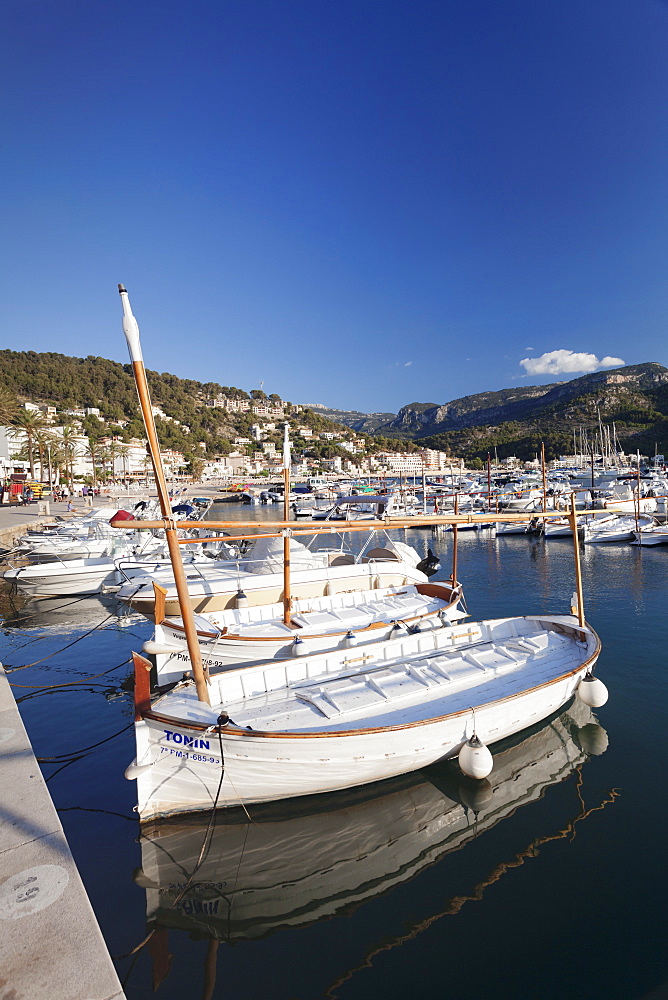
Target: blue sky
359,203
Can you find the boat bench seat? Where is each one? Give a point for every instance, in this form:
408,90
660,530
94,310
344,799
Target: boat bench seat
340,559
382,685
432,674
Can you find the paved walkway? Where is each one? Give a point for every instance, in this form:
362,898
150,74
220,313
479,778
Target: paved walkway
51,946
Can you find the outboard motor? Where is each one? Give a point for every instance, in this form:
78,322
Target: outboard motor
430,564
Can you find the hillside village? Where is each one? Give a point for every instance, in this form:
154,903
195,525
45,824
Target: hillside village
88,429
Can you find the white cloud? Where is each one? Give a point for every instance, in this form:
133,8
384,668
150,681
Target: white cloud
566,362
407,364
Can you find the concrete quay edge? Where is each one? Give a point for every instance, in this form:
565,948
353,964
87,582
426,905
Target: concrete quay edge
51,946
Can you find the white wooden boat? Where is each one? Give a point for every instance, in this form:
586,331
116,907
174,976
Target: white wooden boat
617,528
654,534
297,864
251,635
350,717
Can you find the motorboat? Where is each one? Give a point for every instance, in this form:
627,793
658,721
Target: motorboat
616,528
258,578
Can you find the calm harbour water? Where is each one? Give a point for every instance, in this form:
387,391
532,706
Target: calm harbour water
553,887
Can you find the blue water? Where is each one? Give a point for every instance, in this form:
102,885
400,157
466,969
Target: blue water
563,894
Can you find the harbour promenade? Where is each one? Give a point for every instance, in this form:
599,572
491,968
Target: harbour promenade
51,946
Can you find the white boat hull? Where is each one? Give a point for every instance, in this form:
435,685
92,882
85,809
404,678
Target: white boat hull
650,538
216,593
57,580
647,505
180,761
339,851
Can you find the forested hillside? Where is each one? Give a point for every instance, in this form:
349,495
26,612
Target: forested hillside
74,383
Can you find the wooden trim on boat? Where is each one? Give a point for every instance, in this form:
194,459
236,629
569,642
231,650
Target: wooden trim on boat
159,594
436,590
260,734
142,695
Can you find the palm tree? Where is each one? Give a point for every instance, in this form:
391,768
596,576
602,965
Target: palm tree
114,449
68,444
8,406
58,459
44,439
28,423
125,451
92,451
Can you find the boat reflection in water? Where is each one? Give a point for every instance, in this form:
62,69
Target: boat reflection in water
18,611
305,860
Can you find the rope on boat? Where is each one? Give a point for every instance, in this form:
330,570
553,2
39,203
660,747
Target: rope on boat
87,677
59,758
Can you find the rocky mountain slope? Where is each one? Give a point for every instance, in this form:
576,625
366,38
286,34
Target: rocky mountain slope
633,398
523,403
363,423
515,421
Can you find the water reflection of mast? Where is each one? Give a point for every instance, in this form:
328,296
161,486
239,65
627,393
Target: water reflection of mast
455,904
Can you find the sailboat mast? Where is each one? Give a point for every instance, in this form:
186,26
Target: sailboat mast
131,330
287,462
542,465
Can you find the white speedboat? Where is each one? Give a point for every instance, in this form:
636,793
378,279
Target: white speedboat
258,579
617,528
514,527
87,574
364,507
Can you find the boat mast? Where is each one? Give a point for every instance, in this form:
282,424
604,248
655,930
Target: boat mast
573,518
542,465
454,543
131,331
287,461
489,482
